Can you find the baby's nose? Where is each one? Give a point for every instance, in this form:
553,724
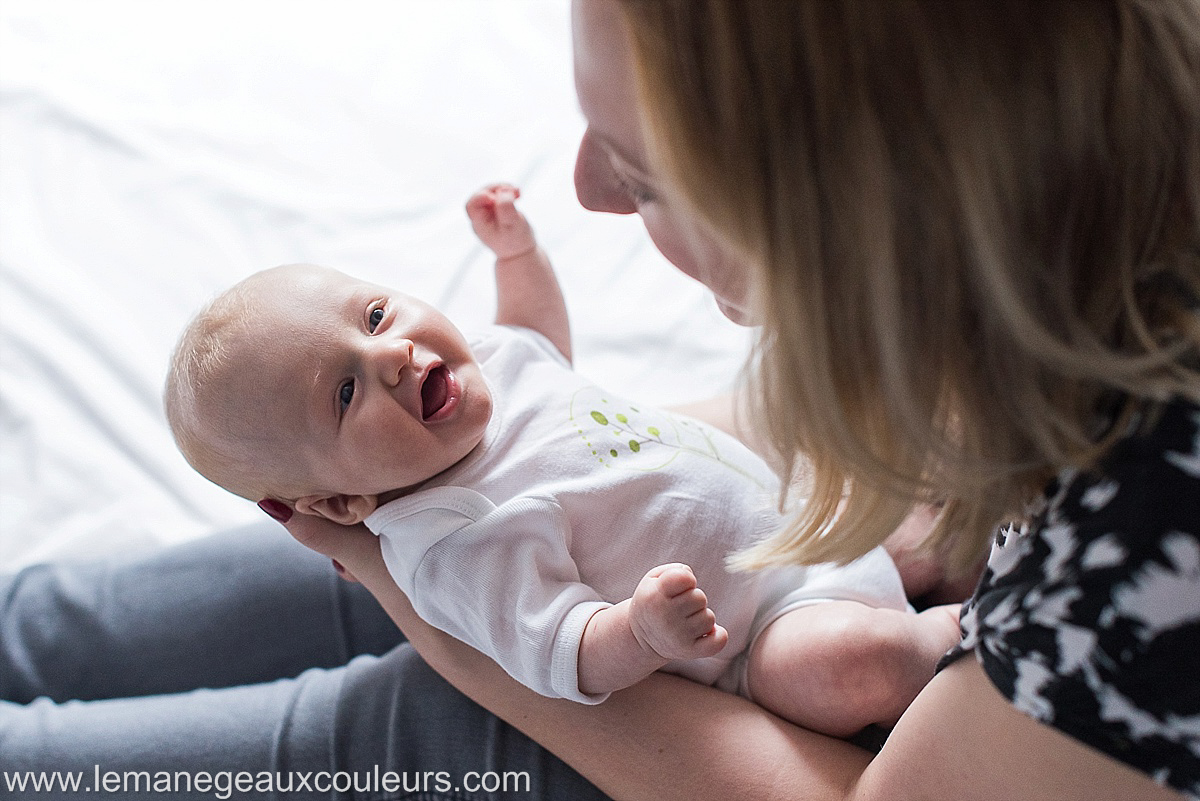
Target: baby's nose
391,357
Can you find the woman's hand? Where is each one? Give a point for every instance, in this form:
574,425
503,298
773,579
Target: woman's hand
324,537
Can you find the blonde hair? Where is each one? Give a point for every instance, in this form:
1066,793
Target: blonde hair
970,225
212,440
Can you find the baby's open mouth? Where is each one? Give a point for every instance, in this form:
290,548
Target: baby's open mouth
435,391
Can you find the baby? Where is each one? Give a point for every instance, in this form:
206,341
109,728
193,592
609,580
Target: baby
526,511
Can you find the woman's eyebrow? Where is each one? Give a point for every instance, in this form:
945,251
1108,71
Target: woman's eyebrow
610,144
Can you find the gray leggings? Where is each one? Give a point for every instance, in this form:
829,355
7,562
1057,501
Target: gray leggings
238,666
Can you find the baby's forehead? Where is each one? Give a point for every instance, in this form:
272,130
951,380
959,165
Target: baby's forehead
280,303
315,284
294,279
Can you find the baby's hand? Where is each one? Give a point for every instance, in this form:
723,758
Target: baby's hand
669,615
498,223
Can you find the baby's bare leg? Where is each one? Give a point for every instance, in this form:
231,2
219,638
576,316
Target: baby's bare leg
839,666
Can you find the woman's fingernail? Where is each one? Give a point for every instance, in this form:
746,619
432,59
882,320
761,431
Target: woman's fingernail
275,509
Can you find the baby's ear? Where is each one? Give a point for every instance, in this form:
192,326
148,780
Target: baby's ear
348,510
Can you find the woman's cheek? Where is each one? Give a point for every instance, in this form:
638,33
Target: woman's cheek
697,254
670,240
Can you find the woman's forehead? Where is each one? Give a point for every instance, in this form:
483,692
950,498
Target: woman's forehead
604,78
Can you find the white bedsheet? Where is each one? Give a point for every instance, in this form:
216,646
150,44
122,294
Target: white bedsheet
153,153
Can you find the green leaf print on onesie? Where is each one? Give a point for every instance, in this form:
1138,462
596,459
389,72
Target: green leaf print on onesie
622,436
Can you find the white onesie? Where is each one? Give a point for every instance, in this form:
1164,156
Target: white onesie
570,498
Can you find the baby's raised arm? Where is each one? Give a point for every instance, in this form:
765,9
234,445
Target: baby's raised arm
527,291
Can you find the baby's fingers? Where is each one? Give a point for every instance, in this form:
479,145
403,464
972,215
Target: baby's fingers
506,210
673,579
699,624
711,643
479,203
687,604
488,199
502,189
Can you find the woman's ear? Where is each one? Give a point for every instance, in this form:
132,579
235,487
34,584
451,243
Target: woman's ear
347,510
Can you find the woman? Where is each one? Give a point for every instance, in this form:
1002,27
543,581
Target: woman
972,234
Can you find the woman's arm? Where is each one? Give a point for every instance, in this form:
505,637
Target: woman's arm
668,738
961,739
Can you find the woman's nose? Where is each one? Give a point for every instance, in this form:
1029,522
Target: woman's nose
390,357
596,184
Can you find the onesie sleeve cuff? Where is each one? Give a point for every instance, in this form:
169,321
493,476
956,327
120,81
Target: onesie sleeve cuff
564,663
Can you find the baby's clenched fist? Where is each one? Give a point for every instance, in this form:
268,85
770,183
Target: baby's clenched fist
498,223
669,615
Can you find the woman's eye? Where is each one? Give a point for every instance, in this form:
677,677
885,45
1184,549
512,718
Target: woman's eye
345,395
639,194
375,319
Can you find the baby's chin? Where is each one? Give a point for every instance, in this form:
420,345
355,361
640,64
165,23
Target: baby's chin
476,403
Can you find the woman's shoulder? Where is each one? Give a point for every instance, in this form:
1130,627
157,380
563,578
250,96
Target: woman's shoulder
1137,506
1146,487
1162,443
1088,618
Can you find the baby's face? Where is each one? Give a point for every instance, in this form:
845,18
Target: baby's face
358,389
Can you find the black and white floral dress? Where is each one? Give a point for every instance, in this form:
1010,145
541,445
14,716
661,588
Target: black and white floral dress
1088,617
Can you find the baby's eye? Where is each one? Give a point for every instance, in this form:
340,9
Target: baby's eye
345,395
375,319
